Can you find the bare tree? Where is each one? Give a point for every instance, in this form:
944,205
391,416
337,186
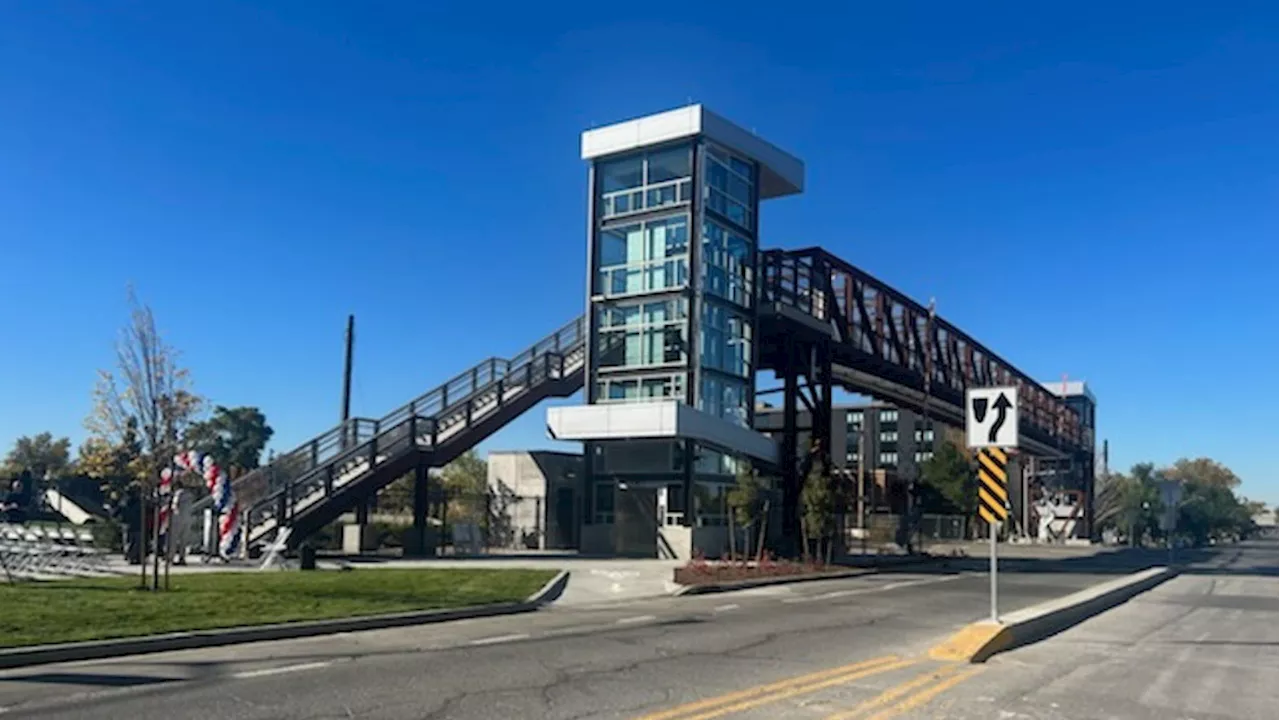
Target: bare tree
148,401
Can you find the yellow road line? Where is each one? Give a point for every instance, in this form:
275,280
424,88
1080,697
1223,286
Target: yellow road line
924,696
926,678
764,693
801,690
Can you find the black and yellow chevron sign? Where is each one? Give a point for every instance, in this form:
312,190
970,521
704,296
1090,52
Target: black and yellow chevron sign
993,485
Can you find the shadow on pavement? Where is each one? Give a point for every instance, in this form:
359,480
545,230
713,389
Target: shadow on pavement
1117,562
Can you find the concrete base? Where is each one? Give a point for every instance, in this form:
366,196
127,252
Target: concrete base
415,549
357,539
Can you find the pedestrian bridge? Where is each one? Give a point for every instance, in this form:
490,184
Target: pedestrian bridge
870,339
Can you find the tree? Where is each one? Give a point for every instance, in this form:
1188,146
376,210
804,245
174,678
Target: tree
147,402
1203,471
818,518
466,482
746,503
1139,504
40,455
112,465
950,474
235,437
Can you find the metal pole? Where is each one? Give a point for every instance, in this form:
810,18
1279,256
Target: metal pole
346,368
995,613
927,370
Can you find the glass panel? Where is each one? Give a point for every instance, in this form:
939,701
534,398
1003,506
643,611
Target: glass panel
621,245
728,264
644,257
726,339
635,334
669,164
724,398
621,174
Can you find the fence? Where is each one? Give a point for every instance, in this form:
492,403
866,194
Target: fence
886,528
466,523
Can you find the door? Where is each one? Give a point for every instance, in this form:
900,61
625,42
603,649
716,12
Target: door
564,520
635,522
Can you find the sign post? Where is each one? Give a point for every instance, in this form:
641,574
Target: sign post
1171,497
991,426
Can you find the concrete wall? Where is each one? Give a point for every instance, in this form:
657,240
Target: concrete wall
525,485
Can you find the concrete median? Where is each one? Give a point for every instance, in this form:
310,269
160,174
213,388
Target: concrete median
978,641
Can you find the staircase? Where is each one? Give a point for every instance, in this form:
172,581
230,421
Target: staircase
312,485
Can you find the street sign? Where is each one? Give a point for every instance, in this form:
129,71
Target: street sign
993,503
991,417
993,486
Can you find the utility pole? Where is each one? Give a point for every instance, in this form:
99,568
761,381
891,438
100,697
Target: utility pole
346,368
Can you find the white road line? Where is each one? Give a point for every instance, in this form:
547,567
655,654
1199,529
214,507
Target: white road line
726,608
867,591
500,639
636,619
280,670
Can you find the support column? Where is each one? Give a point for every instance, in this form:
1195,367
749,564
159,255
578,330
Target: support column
791,479
420,543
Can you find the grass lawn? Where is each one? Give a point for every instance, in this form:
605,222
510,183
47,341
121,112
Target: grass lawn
73,610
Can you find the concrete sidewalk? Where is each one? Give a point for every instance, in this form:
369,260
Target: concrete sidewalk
591,580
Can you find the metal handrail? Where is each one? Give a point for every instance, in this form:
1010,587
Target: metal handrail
298,473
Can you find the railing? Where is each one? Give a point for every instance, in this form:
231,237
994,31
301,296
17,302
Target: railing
314,469
887,325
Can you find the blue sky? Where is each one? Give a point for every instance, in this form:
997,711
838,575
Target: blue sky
1087,188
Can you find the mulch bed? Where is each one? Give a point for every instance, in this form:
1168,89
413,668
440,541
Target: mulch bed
707,573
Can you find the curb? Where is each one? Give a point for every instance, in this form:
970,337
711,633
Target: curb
101,649
978,641
550,592
852,572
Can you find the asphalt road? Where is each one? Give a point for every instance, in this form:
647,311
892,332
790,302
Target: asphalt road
803,650
1201,646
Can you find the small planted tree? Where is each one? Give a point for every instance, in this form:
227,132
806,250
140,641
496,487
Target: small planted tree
143,407
745,502
818,518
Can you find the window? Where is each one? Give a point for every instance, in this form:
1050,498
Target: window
888,459
642,389
644,257
641,334
854,420
723,398
602,503
923,457
888,436
725,340
728,263
924,435
645,181
729,186
888,416
709,503
621,174
672,504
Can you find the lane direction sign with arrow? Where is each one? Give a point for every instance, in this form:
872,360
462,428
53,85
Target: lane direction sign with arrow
991,417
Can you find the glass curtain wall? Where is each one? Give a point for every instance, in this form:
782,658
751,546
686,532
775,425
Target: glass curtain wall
641,277
727,281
